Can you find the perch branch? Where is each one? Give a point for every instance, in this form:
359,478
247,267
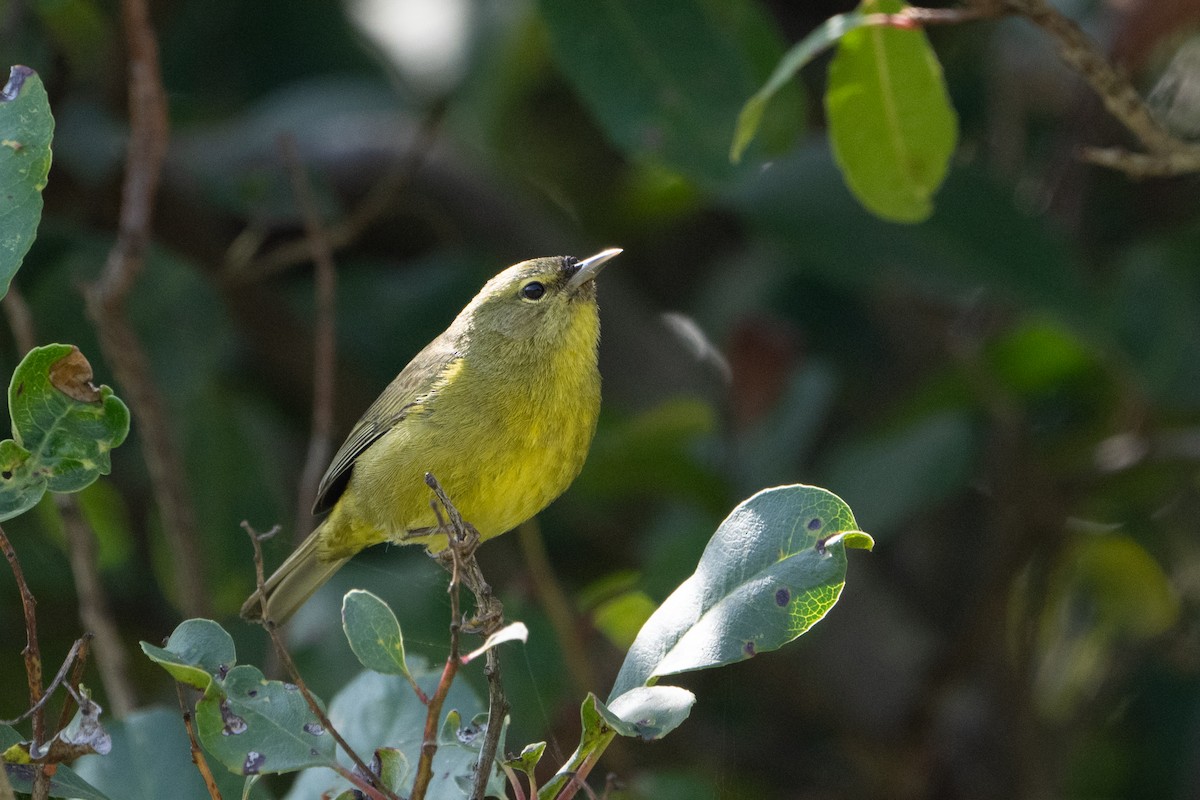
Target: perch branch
107,296
268,624
489,616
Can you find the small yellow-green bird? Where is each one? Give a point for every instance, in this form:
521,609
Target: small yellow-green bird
500,408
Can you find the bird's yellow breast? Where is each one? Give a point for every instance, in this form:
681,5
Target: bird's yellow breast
504,440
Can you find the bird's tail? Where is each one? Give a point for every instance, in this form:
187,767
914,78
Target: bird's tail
293,583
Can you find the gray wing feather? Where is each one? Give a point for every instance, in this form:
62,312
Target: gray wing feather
392,406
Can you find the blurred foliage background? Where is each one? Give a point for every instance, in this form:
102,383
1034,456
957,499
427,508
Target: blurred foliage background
1008,394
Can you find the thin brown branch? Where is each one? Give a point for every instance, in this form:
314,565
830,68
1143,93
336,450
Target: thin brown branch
94,611
198,758
32,653
33,664
497,710
59,677
376,202
489,617
320,440
1084,56
107,296
1168,155
457,535
1144,165
361,783
64,717
293,672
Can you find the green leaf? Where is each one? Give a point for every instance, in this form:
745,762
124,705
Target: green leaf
376,710
528,760
256,726
825,35
198,651
150,760
65,782
25,131
648,712
891,124
63,428
772,570
373,632
665,79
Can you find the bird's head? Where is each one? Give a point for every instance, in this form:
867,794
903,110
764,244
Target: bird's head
543,299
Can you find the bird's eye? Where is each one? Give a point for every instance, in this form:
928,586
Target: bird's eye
533,291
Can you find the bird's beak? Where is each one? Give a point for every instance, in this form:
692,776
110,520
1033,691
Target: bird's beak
589,268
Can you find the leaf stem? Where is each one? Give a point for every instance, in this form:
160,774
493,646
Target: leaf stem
198,759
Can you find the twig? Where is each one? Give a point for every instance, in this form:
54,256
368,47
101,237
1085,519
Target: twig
497,710
489,617
320,441
198,758
59,677
1144,165
106,304
458,536
65,715
33,665
31,653
285,658
94,611
361,783
346,231
1168,155
1085,57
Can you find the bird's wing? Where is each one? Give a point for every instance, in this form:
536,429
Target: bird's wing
392,406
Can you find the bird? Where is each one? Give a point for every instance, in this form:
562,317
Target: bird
500,408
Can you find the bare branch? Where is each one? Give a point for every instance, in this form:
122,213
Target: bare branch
106,303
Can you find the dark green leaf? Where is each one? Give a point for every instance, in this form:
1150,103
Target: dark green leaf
63,428
891,124
25,130
373,632
255,726
772,570
665,79
198,651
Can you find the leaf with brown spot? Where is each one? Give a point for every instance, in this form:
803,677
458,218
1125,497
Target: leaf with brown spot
72,375
63,428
